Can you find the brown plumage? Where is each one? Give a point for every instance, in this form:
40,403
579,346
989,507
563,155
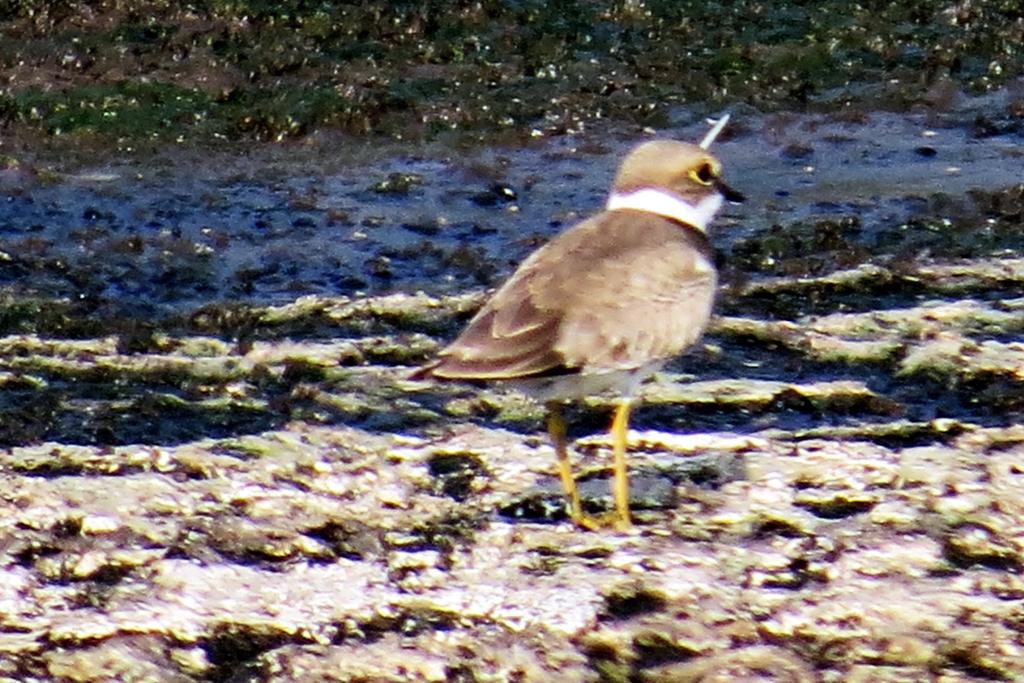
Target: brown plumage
585,302
605,303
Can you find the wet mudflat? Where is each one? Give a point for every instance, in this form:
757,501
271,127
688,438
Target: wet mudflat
213,467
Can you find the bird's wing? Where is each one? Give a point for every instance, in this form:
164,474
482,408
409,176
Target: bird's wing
646,295
612,292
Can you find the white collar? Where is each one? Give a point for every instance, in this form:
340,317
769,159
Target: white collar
670,205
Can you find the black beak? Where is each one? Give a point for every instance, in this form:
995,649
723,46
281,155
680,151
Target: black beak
729,193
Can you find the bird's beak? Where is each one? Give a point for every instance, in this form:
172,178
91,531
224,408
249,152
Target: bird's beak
730,194
716,128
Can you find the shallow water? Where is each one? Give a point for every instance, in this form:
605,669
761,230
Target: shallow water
173,233
152,251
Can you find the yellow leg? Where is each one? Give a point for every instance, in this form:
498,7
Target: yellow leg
556,427
620,484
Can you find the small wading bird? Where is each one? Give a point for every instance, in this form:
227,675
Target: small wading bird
606,303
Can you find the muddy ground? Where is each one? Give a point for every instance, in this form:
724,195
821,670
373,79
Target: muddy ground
214,469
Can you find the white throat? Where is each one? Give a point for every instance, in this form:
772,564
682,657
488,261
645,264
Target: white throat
666,204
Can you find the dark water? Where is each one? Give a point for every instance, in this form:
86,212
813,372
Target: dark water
134,247
179,232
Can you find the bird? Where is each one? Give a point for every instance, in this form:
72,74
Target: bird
605,304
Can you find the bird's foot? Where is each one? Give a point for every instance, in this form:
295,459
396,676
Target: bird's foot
608,520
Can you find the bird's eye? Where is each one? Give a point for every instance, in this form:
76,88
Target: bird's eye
703,174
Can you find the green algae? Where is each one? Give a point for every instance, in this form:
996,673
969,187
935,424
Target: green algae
270,71
123,109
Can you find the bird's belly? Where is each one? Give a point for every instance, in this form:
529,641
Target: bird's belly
579,385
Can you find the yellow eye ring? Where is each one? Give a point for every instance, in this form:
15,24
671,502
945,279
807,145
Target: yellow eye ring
703,174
